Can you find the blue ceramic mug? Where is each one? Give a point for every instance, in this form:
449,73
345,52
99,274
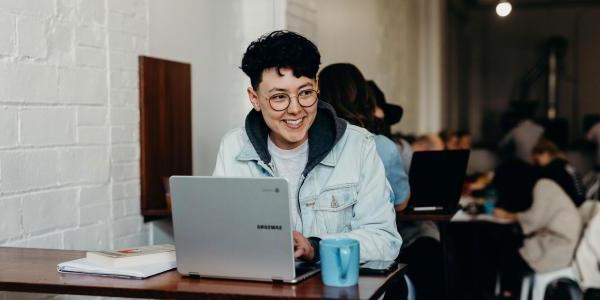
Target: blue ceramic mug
339,262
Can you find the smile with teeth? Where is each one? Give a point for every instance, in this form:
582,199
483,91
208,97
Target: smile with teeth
294,123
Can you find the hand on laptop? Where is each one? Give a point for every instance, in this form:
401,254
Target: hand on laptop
302,247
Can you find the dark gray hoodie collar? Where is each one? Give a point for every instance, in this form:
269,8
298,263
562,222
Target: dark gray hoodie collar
325,132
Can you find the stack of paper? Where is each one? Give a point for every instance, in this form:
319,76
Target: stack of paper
83,266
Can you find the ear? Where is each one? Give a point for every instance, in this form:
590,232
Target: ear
253,97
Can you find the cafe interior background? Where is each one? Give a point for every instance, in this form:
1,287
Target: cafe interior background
70,126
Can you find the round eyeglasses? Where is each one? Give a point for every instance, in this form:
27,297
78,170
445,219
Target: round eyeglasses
281,101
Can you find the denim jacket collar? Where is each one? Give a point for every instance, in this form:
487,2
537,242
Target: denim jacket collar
324,133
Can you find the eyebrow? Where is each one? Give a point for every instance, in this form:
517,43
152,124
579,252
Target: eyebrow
275,89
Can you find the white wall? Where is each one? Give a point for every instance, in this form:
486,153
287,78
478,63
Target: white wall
212,36
397,43
69,170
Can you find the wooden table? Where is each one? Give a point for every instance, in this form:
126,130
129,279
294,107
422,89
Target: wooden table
34,271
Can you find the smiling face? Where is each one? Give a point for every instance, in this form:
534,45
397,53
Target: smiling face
289,128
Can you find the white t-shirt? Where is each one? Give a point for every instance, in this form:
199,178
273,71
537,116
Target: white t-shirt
289,164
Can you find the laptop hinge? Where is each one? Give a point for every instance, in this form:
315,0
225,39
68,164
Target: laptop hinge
277,280
194,275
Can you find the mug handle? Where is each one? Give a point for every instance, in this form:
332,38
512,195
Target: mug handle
344,255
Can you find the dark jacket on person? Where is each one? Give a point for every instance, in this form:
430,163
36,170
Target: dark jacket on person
566,177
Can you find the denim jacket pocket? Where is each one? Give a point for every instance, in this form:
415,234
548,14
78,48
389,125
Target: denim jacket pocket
334,208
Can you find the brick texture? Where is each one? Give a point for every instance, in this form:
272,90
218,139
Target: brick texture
69,114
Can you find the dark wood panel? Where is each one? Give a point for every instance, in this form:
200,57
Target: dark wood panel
165,129
34,270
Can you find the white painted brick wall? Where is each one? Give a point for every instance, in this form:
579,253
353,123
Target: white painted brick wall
83,165
90,57
10,217
83,86
91,237
125,153
18,79
69,147
52,240
24,170
125,116
49,211
92,12
122,61
32,39
94,36
7,32
60,44
29,7
124,98
93,214
8,126
91,116
90,195
47,126
92,135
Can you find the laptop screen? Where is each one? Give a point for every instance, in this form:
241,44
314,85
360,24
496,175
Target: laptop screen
436,178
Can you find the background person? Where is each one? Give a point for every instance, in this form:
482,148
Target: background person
553,166
548,230
342,85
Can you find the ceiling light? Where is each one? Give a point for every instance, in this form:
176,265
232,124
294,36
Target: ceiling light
503,8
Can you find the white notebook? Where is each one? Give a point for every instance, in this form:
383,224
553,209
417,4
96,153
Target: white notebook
82,266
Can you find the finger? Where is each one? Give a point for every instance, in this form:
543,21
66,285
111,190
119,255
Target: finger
299,252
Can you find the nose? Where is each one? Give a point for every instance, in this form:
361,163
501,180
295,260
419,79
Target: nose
294,106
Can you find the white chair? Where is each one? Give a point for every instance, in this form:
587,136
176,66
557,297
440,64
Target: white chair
411,288
539,281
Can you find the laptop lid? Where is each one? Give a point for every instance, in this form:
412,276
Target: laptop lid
232,227
436,179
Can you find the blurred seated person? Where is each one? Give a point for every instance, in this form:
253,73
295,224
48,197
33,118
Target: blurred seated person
465,141
592,134
522,132
343,86
428,142
552,166
449,138
548,229
387,115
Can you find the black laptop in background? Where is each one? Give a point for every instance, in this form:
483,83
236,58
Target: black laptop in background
436,179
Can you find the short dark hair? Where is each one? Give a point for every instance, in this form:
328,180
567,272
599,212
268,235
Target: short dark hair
281,49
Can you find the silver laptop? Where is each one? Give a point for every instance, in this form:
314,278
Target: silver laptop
232,227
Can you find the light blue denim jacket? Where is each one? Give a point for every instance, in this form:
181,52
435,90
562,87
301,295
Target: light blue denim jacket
394,168
343,193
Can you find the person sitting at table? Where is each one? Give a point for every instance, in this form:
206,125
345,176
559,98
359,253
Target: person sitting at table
548,230
553,166
428,142
450,139
465,140
343,86
522,132
337,183
387,115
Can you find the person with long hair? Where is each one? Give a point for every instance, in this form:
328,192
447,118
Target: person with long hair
344,87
